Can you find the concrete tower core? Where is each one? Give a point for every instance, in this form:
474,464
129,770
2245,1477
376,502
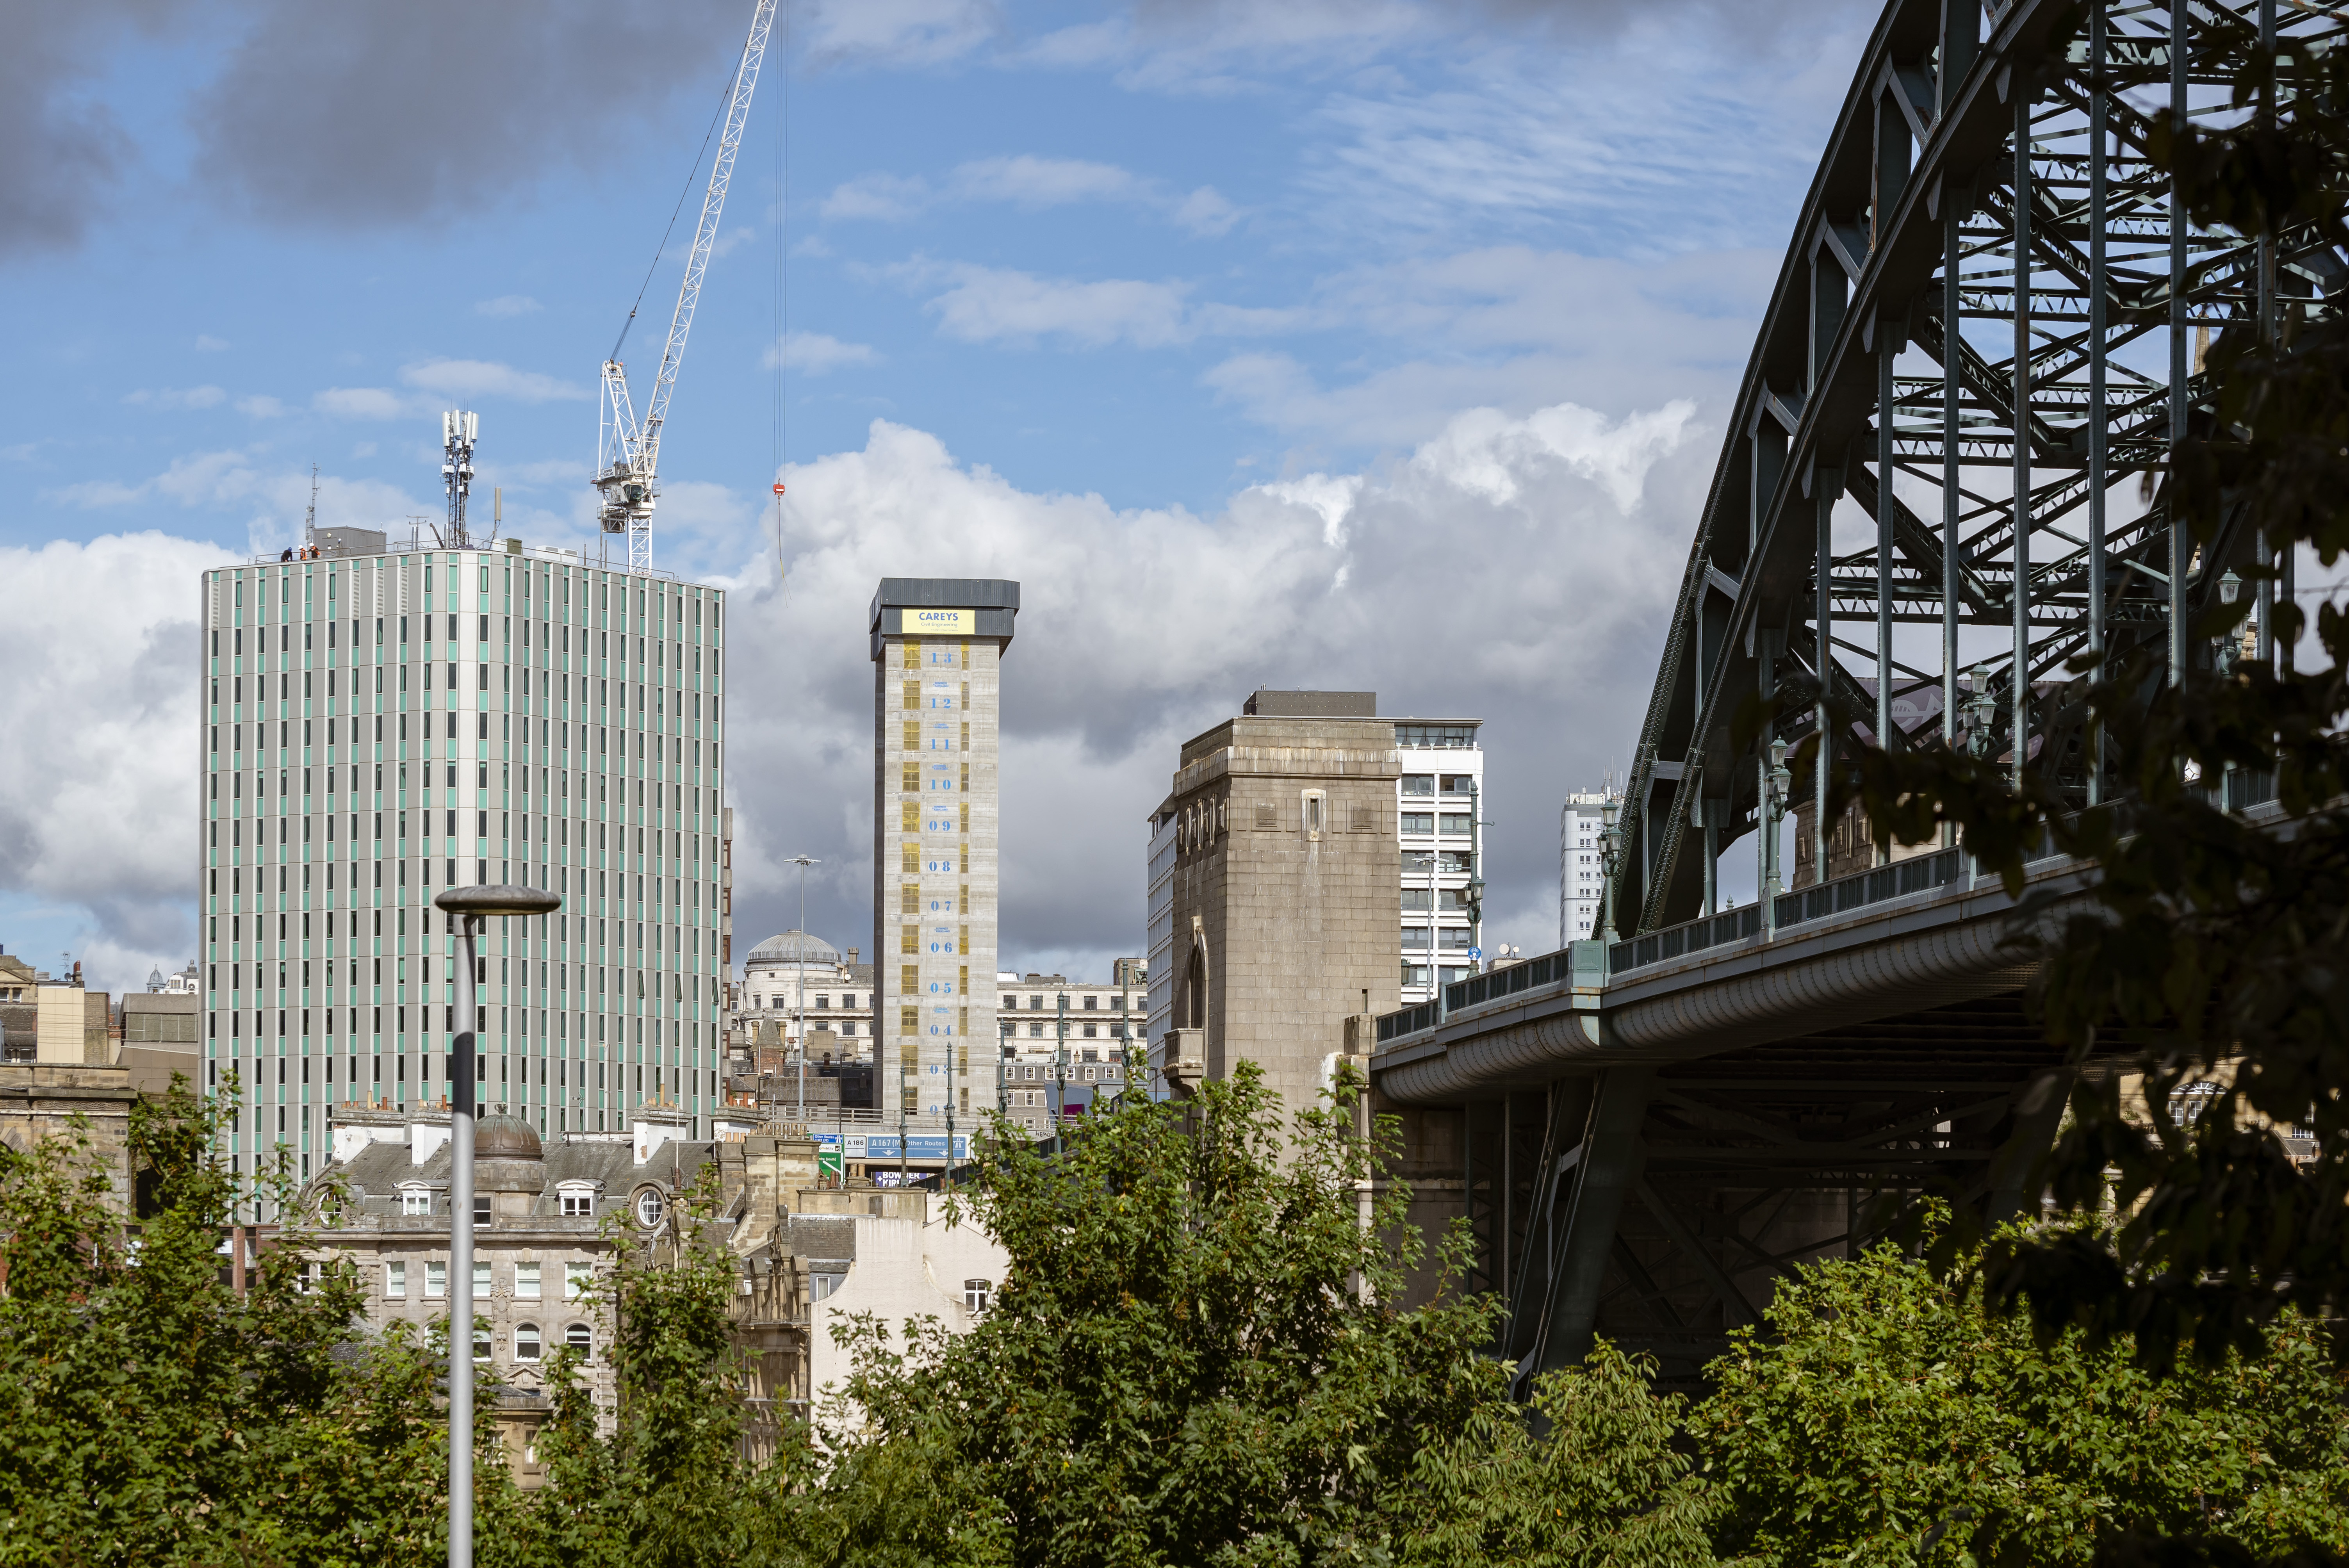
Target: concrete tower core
937,646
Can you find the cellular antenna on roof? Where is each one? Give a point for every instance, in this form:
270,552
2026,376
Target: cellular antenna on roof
310,518
458,431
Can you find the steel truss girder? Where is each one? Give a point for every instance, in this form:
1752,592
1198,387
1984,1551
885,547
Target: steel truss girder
1913,222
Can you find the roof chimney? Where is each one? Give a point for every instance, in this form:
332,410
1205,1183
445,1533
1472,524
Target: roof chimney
852,958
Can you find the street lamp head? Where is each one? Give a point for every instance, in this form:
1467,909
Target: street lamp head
2230,588
483,901
1608,811
1777,753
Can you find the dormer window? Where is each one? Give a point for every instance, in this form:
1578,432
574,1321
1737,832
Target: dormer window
577,1201
415,1200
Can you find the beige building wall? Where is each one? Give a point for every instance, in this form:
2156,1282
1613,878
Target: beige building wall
73,1026
910,1263
1286,894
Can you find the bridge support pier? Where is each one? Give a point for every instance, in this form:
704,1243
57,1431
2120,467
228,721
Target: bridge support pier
1585,1187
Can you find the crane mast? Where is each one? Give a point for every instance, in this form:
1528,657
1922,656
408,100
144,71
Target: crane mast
627,457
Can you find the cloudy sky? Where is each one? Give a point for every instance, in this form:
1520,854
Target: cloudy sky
1366,345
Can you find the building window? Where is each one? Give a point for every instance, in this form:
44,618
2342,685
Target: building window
578,1203
1315,802
976,1293
580,1338
1092,1004
1418,821
526,1284
480,1209
436,1281
1092,1030
395,1281
481,1281
1036,1031
1419,783
576,1276
481,1345
1458,783
1456,821
415,1201
526,1341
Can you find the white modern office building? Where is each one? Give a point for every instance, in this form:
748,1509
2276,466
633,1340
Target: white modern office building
1581,866
1439,809
937,646
380,724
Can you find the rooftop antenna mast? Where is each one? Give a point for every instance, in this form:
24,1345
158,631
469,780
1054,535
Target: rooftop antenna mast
458,430
310,518
627,459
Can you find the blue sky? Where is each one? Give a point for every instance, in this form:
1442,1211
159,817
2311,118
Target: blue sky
1370,344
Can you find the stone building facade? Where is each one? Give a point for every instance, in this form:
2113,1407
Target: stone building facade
548,1215
1285,896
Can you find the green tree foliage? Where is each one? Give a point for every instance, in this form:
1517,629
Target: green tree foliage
1200,1356
149,1413
1890,1417
1197,1357
1605,1484
660,1479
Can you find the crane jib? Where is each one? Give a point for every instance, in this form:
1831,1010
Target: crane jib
629,453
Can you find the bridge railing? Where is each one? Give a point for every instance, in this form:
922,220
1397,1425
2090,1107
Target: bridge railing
2238,790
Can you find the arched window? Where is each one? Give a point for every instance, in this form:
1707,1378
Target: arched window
1195,989
580,1338
525,1342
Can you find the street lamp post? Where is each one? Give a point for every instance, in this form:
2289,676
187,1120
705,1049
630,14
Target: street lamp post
800,999
468,907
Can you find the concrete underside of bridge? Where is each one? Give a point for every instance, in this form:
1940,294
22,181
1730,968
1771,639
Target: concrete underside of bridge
1659,1206
1646,1158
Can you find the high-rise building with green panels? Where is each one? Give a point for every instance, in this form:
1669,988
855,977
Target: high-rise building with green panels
381,724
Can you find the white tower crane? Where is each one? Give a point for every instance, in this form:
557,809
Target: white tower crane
628,457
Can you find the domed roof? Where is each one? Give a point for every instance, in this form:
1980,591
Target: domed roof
506,1138
792,947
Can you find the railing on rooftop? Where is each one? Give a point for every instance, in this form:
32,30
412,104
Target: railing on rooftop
549,554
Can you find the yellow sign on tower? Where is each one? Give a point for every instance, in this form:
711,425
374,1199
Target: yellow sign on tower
926,623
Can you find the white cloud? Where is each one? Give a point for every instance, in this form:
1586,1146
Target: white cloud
260,406
178,398
1526,550
506,306
208,344
487,378
103,638
1537,554
879,198
1032,183
892,33
1204,212
815,353
988,304
993,305
360,403
268,500
1029,181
